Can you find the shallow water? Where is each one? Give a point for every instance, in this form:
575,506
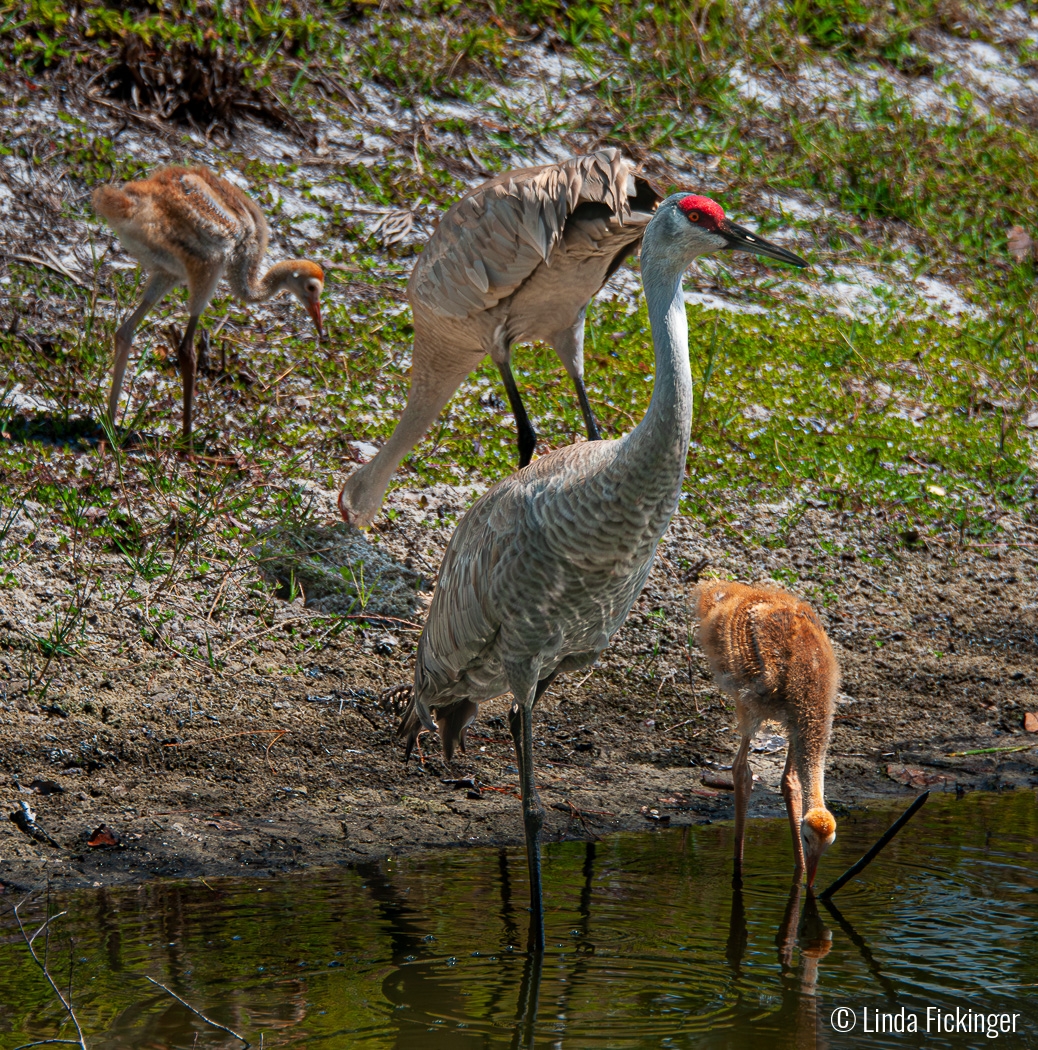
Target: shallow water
648,946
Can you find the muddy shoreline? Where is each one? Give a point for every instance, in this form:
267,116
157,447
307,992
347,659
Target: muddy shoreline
264,769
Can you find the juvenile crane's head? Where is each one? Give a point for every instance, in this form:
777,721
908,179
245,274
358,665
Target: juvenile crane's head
817,833
698,226
305,280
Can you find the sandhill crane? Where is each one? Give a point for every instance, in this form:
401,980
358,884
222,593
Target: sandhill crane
543,569
517,259
188,226
768,649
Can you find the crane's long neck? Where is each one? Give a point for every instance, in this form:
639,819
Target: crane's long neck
254,289
809,742
655,450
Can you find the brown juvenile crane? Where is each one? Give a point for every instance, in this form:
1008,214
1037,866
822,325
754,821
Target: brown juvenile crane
543,569
189,226
515,260
768,649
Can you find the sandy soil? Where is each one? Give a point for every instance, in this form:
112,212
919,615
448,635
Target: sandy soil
258,771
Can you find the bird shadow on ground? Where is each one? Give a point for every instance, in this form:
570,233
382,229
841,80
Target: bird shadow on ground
334,569
55,428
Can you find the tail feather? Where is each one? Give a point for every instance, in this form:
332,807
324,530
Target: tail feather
452,722
112,203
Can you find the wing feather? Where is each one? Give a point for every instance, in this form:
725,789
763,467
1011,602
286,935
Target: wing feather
492,239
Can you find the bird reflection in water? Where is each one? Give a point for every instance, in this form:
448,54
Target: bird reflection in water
804,930
414,986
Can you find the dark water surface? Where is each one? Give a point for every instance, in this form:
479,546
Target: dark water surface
648,946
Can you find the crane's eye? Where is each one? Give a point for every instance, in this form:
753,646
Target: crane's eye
693,216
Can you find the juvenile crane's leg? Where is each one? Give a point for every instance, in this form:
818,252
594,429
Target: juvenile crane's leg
158,286
188,362
742,777
793,795
202,286
569,345
521,723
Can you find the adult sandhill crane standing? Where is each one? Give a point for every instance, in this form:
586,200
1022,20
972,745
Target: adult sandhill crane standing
543,569
769,650
188,226
516,259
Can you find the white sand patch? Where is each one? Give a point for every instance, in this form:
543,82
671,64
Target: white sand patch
945,298
753,88
709,301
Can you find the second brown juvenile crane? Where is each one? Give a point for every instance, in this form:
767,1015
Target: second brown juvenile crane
768,649
189,226
515,260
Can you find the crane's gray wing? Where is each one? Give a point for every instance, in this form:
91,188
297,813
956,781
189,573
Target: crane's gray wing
543,566
494,237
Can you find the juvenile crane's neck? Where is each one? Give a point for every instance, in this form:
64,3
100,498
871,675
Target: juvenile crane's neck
259,288
657,447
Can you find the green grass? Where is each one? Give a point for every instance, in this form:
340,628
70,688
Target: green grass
912,419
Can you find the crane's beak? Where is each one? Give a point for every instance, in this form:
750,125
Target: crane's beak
313,308
812,870
741,240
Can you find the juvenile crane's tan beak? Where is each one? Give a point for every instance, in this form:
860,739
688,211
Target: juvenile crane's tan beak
313,308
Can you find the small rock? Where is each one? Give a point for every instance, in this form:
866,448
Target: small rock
721,783
1031,722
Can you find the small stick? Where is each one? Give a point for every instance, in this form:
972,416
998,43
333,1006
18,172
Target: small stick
270,765
567,807
869,857
198,1013
42,964
990,750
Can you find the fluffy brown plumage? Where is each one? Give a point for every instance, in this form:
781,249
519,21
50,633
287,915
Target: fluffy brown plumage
768,649
189,226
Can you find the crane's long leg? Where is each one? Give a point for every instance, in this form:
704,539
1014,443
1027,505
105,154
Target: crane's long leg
188,362
521,723
158,286
593,433
527,435
569,345
742,776
793,795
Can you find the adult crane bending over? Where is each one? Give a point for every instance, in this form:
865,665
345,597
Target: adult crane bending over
543,569
189,226
517,259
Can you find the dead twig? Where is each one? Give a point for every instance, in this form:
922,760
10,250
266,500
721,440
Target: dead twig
41,963
198,1013
270,765
55,265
